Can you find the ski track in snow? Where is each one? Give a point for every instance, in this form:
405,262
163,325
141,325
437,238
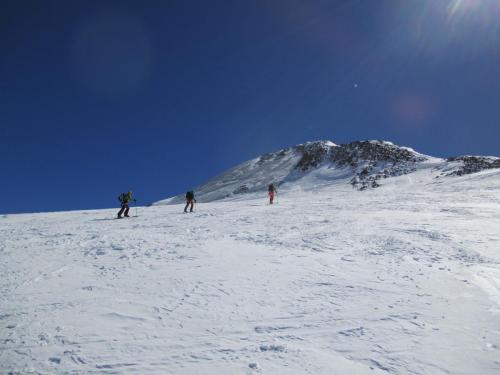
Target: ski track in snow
390,281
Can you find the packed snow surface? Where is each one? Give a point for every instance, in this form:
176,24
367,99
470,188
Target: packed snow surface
402,279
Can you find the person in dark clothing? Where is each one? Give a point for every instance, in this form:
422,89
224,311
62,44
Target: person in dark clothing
190,201
124,199
271,192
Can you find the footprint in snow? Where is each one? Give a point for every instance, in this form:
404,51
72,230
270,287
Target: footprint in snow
272,348
354,332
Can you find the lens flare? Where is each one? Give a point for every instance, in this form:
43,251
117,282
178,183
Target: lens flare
441,28
473,8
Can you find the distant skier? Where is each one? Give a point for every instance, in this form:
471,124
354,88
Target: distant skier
124,199
272,192
190,201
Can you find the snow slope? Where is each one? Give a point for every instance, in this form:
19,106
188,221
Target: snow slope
402,279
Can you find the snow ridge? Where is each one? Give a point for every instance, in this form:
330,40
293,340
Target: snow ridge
362,164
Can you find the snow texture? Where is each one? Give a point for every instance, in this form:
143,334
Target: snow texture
402,279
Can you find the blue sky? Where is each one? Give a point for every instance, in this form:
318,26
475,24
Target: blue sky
98,97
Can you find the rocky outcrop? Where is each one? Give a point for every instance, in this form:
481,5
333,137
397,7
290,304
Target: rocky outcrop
473,164
313,154
376,160
371,161
356,153
241,189
369,177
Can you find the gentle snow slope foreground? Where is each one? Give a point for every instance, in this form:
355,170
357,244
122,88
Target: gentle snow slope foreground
403,279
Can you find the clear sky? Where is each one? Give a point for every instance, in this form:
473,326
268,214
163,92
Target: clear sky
99,97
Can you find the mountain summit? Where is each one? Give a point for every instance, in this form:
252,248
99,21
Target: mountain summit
362,164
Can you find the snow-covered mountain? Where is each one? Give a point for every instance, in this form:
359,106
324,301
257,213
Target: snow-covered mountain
362,164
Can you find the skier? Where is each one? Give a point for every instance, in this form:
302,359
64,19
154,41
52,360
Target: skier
189,201
272,192
124,199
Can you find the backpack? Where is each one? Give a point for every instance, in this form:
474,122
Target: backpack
124,198
271,188
190,195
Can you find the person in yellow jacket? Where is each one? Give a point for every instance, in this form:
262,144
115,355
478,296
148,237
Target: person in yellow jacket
124,199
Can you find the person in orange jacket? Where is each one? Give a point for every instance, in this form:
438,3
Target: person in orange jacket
271,192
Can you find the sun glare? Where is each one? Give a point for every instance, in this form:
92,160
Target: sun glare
473,19
462,6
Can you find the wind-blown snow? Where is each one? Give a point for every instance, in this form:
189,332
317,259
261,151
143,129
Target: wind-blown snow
402,279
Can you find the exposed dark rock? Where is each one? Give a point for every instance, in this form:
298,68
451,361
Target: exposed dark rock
272,156
371,157
313,154
266,157
355,153
473,164
365,157
365,179
242,189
